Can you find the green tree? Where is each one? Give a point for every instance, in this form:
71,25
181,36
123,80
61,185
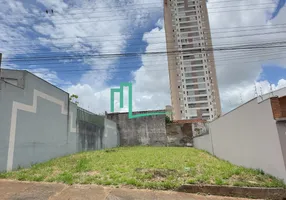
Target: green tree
168,120
73,98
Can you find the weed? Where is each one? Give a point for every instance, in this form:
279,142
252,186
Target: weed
65,177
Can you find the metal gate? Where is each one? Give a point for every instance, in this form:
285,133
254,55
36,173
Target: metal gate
90,129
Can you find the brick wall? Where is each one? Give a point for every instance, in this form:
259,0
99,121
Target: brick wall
278,107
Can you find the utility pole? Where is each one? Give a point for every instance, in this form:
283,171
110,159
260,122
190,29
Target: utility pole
0,66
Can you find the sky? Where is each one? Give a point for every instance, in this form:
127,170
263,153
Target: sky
87,47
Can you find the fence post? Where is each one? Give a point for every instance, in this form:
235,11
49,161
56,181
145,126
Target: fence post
0,66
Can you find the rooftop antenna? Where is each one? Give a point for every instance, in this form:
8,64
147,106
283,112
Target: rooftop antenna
255,89
241,98
261,93
0,66
261,90
271,90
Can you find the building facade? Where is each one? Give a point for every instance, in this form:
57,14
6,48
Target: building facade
193,81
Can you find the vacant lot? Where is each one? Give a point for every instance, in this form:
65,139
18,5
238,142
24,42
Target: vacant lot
144,167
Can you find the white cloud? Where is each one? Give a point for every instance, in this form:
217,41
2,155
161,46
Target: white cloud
236,95
151,82
49,75
150,85
237,71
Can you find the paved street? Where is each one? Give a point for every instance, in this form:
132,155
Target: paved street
15,190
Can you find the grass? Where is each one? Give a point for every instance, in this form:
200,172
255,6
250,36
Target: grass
144,167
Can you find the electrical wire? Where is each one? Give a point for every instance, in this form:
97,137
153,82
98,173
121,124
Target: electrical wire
158,69
241,47
64,21
224,30
136,39
164,64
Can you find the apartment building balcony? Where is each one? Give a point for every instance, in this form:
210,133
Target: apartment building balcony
195,80
196,91
190,13
190,45
196,86
188,24
186,35
195,74
188,19
195,83
195,95
198,105
198,101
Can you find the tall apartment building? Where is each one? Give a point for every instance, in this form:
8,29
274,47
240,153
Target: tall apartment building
193,81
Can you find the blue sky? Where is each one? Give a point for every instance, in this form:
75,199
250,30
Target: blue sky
56,43
78,68
272,73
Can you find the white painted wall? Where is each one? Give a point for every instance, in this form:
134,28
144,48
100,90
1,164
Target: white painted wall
248,136
203,142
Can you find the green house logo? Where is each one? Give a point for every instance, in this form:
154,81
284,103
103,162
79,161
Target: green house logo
130,114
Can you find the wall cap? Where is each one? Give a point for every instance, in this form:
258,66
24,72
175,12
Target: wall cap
233,191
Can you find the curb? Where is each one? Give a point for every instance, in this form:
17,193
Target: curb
243,192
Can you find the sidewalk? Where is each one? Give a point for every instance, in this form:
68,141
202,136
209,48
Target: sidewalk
16,190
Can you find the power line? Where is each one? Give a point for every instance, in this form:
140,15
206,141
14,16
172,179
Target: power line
62,22
111,9
225,37
206,46
163,65
160,7
219,2
151,62
198,50
238,54
128,69
212,32
227,44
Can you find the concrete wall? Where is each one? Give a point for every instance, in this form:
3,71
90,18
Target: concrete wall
90,130
149,130
281,129
203,142
111,136
37,121
34,123
248,136
179,134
